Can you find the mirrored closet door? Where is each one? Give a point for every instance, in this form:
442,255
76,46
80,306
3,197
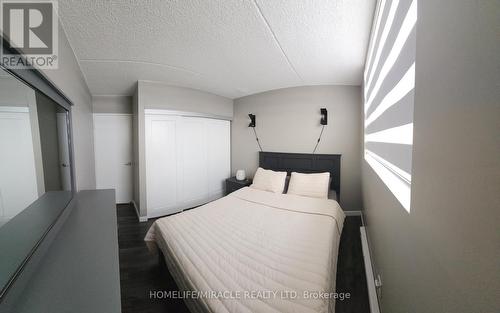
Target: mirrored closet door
34,143
35,171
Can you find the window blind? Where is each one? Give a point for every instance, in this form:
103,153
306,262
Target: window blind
389,83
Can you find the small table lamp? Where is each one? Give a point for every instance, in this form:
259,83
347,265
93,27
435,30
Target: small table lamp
240,175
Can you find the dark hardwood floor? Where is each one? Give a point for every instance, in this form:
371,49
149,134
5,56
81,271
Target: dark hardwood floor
351,269
141,272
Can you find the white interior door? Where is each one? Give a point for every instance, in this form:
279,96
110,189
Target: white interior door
62,137
219,156
194,163
18,181
162,158
114,155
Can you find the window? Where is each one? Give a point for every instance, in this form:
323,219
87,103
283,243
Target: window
389,82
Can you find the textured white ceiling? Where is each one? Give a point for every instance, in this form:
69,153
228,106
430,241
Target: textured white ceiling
228,47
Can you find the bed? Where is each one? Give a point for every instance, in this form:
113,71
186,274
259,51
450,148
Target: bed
254,251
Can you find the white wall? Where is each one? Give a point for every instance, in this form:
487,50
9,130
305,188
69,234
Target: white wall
69,79
112,104
288,121
443,255
153,95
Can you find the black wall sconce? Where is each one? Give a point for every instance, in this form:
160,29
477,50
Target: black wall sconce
252,120
252,124
323,121
324,116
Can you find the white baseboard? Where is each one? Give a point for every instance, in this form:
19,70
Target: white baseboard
353,213
141,218
370,278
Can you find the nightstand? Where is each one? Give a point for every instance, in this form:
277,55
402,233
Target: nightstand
232,184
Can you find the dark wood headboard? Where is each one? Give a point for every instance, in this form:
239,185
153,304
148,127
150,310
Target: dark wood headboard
304,163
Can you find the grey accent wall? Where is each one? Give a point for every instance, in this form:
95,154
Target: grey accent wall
154,95
112,104
443,255
288,121
70,80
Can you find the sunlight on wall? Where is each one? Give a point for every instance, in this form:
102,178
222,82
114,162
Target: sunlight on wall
389,83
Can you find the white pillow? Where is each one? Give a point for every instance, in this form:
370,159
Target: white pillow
269,180
310,185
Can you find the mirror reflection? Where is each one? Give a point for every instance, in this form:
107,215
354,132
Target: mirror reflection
34,144
35,171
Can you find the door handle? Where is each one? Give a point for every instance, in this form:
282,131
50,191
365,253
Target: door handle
128,164
64,165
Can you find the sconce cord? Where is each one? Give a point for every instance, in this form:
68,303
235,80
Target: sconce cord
257,138
319,139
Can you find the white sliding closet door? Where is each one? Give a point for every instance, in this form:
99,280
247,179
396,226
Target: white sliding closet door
219,156
162,159
187,161
194,162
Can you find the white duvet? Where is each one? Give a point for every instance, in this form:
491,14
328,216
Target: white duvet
254,251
